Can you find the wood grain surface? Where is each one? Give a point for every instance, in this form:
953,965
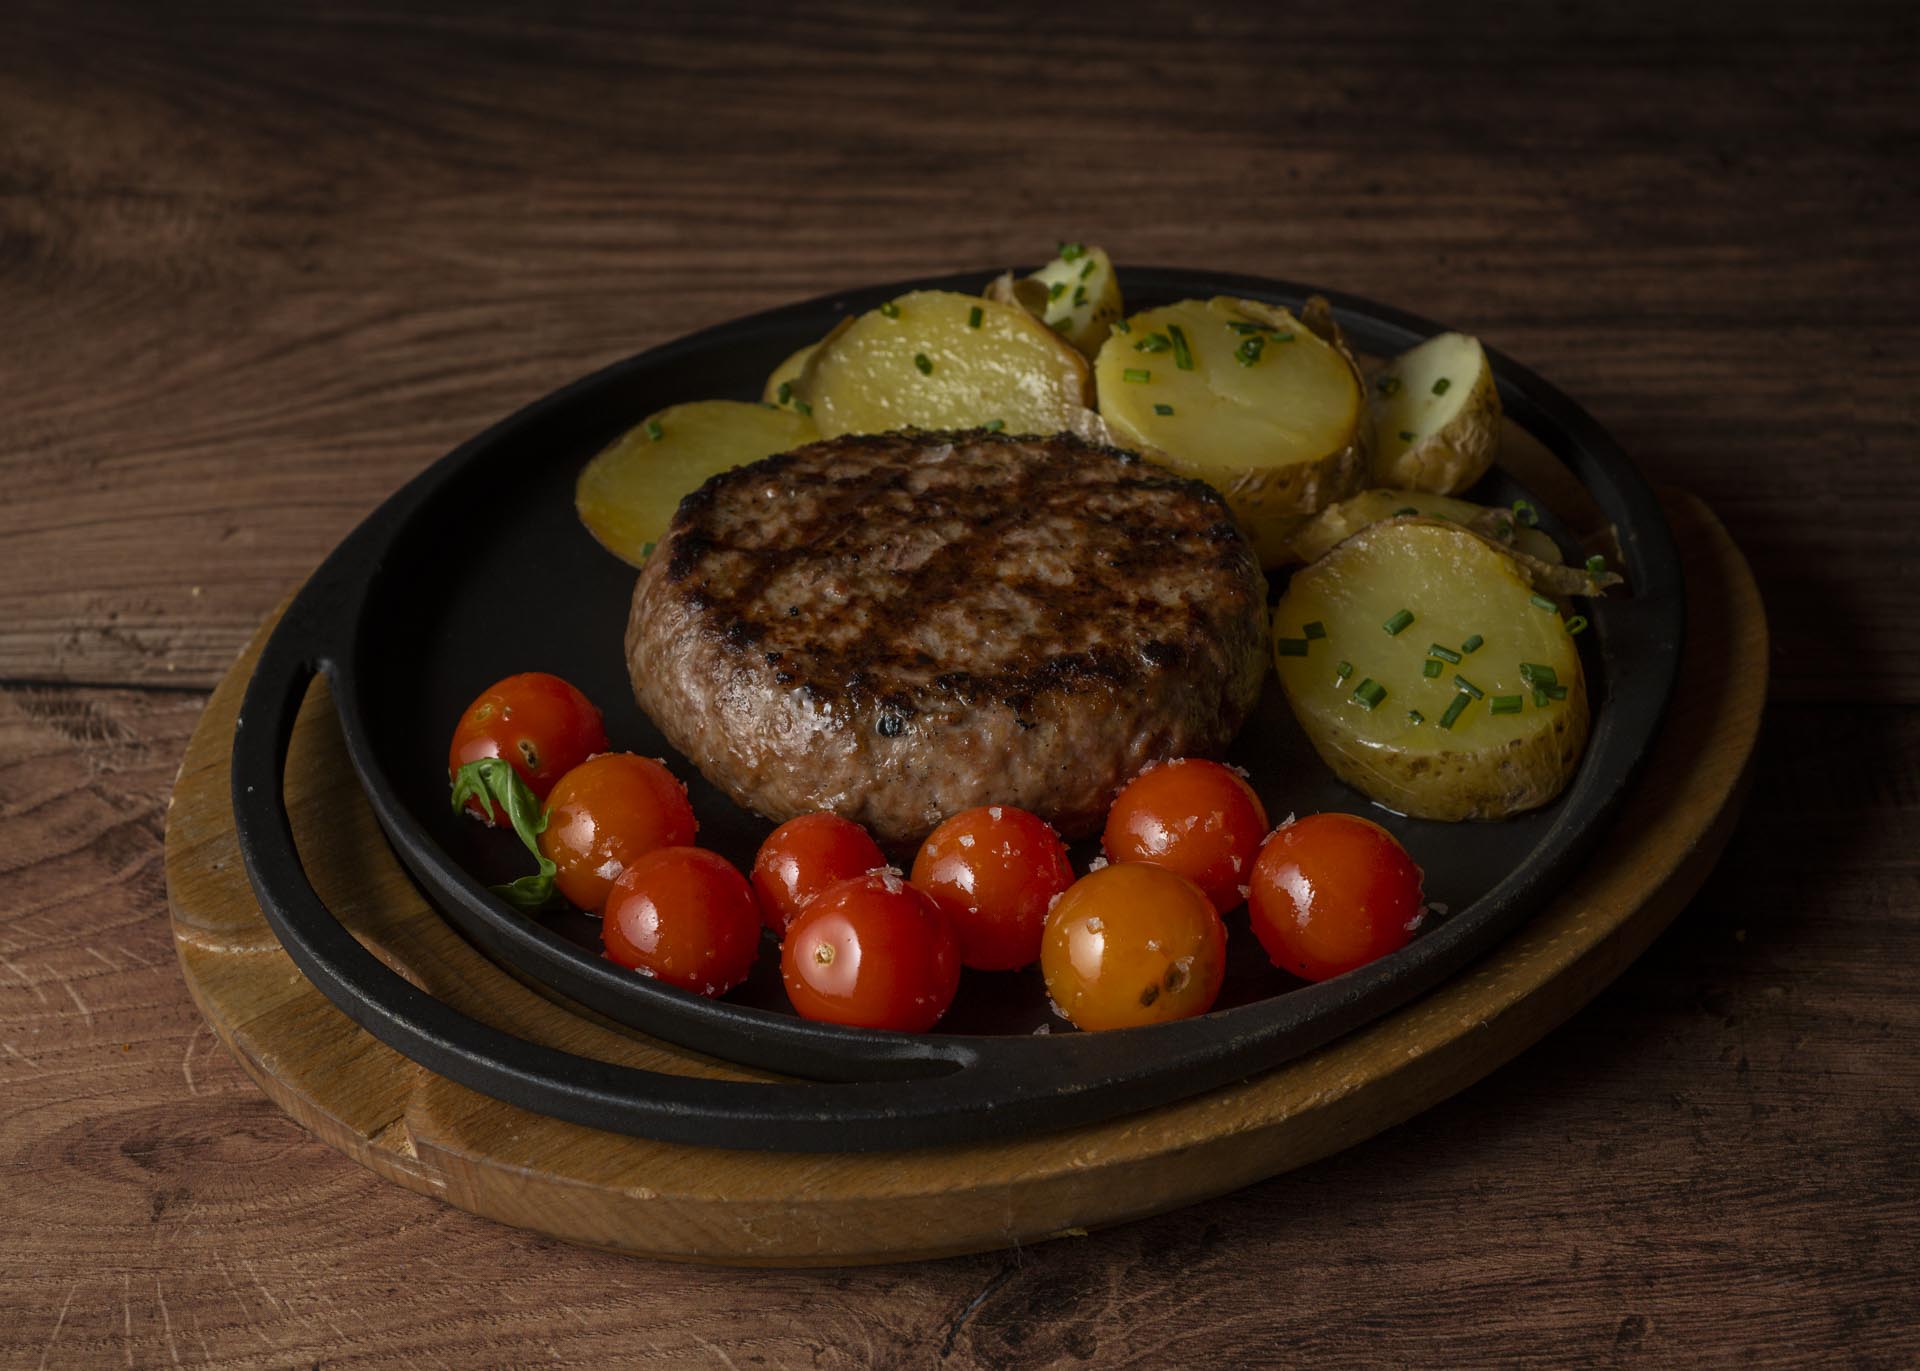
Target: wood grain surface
259,266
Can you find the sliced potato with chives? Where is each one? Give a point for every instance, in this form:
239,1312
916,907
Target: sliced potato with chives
780,383
1430,674
626,496
1246,397
1077,295
936,359
1436,416
1336,522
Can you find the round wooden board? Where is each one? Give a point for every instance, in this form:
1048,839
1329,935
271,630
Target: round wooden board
775,1209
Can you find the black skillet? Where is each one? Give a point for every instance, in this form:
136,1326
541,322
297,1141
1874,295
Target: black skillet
478,568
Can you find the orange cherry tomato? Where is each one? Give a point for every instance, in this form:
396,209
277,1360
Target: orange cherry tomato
803,857
539,723
872,952
994,872
607,812
1196,817
1332,892
1133,944
683,915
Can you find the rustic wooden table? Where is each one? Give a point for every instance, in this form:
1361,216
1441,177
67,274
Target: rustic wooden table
256,270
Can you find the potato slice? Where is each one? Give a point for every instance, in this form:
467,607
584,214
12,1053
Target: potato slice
1244,396
1417,748
1319,534
1077,295
627,495
936,359
1436,416
780,382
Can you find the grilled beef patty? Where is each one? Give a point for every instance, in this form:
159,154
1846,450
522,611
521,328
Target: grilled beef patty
903,626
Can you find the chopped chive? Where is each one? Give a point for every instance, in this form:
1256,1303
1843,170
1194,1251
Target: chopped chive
1182,354
1441,386
1554,692
1459,703
1596,565
785,393
1368,694
1414,716
1577,624
1535,674
1431,668
1056,290
1472,644
646,550
1403,510
1138,375
1388,385
1072,252
1526,514
1468,686
802,407
1153,342
1122,326
890,309
1401,618
1445,654
994,425
1316,629
974,316
1079,296
1087,270
1283,335
1290,647
1540,697
1245,326
1504,704
654,431
924,362
1406,435
1163,410
1505,530
1341,672
1542,602
1249,351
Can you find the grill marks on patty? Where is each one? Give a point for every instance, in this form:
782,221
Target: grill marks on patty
864,568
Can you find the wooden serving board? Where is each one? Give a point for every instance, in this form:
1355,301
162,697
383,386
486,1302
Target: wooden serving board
775,1209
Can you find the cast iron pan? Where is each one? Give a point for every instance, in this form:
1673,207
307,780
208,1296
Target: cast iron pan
479,568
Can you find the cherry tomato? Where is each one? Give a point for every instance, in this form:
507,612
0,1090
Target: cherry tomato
539,723
1331,892
872,952
1133,944
606,812
994,872
684,916
1196,817
803,857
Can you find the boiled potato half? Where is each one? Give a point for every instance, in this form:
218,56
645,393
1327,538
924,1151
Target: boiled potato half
1331,525
1077,295
1244,396
779,387
1436,416
626,496
940,360
1497,732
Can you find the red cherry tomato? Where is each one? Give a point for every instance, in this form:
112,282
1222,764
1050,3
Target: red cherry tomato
539,723
1133,944
1196,817
684,916
994,872
803,857
607,812
1331,892
872,952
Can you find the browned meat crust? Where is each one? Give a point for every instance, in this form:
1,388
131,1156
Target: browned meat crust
900,627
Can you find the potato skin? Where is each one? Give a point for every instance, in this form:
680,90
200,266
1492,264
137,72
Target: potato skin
1455,456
